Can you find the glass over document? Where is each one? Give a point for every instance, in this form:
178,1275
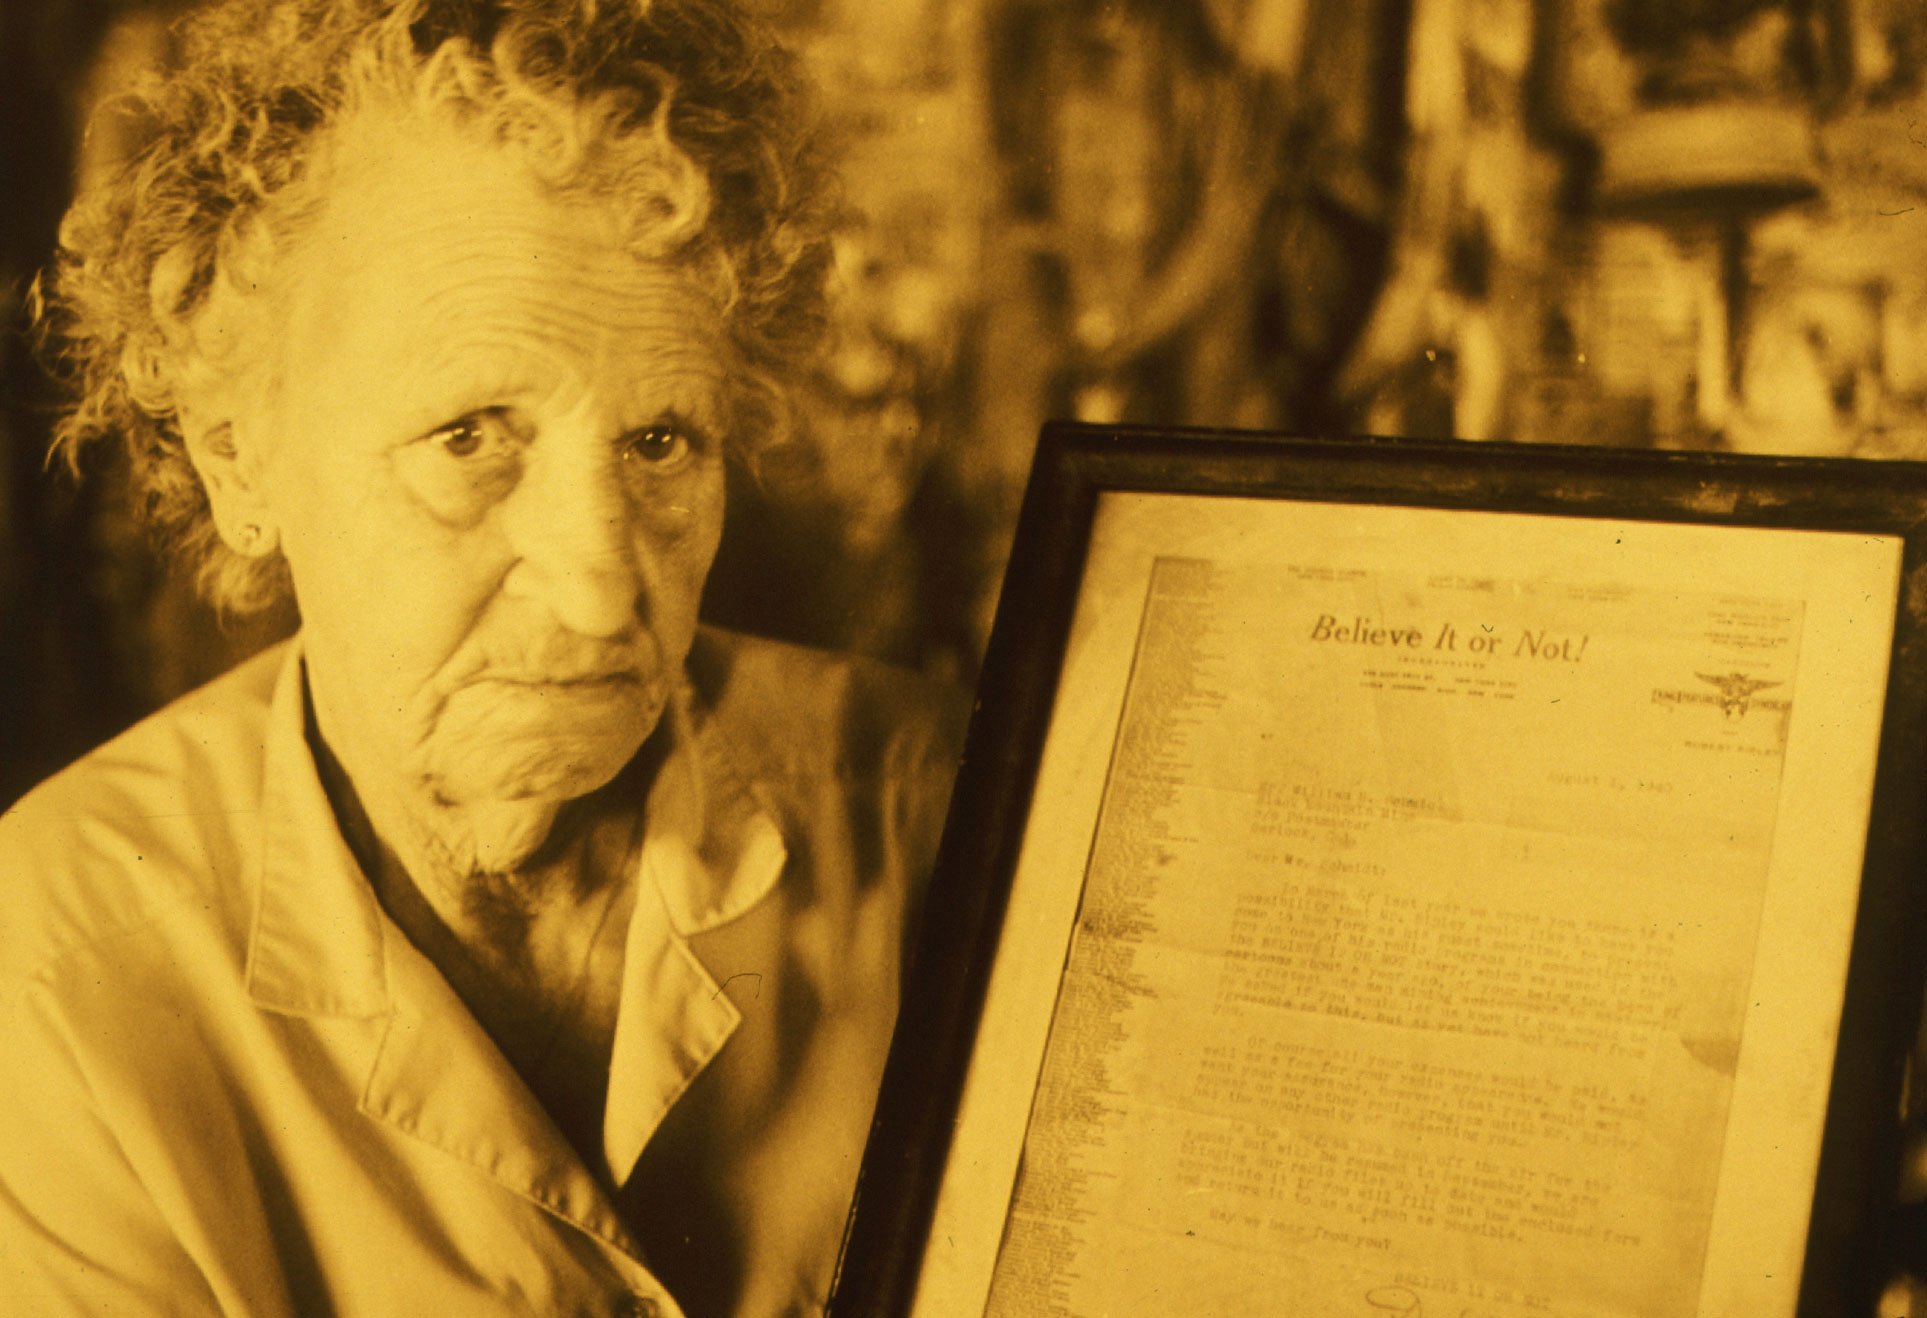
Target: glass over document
1424,913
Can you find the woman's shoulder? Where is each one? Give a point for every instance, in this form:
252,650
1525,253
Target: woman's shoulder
208,741
155,818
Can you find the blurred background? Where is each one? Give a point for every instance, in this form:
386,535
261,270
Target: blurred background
1664,223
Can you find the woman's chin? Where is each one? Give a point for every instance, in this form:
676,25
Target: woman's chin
554,769
493,809
550,749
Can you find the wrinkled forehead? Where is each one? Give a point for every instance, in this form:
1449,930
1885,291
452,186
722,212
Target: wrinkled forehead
388,169
431,245
394,192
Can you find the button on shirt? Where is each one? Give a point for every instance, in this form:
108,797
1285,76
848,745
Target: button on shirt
229,1084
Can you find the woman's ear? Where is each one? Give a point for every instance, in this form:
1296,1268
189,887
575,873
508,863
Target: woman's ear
233,488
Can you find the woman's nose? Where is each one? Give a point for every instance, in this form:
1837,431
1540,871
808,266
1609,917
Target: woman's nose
574,533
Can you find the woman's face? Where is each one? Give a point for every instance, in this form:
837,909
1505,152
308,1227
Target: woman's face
493,451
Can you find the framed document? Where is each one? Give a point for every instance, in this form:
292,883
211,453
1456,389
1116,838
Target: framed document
1435,879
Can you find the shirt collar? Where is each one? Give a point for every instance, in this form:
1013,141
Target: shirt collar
320,945
316,946
717,853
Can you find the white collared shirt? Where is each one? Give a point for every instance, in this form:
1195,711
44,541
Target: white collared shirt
228,1083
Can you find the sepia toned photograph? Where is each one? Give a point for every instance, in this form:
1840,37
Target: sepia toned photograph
562,749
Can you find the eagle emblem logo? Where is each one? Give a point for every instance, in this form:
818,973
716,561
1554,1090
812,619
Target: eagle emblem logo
1736,691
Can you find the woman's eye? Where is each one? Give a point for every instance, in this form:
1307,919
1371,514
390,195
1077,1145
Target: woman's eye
460,469
461,439
466,437
657,445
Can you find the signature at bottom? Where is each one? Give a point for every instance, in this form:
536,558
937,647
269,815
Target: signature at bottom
1407,1304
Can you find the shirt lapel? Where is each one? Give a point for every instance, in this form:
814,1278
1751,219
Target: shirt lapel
321,946
316,945
439,1078
710,853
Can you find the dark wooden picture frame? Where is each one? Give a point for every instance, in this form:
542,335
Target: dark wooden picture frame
1076,466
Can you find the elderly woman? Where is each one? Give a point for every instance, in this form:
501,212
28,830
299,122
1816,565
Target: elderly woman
507,942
